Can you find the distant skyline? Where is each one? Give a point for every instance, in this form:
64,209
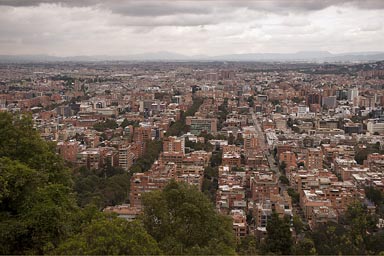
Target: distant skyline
200,27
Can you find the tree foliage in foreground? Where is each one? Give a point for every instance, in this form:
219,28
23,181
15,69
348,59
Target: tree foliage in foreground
20,142
279,238
110,236
354,234
248,246
37,208
183,221
104,187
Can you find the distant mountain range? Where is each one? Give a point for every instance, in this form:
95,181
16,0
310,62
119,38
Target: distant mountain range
306,56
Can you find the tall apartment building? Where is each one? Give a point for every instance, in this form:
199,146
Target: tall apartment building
239,223
174,145
140,137
352,94
89,158
142,134
68,150
313,98
227,74
329,102
250,140
289,158
314,159
263,185
126,156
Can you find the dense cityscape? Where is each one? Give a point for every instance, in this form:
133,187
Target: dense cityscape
191,127
296,146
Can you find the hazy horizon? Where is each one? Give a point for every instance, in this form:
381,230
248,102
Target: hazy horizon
211,28
195,55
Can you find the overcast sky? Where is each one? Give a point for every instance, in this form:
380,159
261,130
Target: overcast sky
122,27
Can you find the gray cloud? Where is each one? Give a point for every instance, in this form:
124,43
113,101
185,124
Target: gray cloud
372,27
295,6
21,3
171,7
159,8
180,20
115,27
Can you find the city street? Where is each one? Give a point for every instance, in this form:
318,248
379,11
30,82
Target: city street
273,165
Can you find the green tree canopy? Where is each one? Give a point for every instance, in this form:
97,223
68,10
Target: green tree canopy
279,238
305,247
183,221
294,195
330,239
127,122
106,236
248,246
19,141
37,210
152,152
103,187
355,234
107,124
374,194
284,180
282,167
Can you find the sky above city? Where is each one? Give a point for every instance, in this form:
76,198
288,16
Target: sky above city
200,27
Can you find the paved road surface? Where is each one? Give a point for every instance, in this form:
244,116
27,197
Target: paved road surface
267,150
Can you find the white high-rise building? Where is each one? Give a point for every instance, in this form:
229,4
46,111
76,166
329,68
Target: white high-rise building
352,94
